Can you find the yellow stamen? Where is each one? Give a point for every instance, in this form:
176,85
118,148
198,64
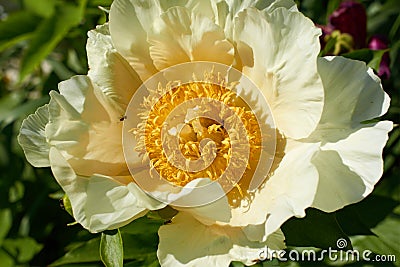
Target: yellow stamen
197,134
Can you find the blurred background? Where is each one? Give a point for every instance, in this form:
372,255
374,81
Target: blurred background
42,42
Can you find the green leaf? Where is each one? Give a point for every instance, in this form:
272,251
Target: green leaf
318,229
17,27
23,249
142,226
5,222
237,264
386,241
5,259
359,218
9,102
140,247
111,248
365,55
48,34
43,8
372,57
378,13
376,59
140,241
332,6
16,192
83,252
149,262
18,111
67,204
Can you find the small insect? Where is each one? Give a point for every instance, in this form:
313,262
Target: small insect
122,118
61,202
167,222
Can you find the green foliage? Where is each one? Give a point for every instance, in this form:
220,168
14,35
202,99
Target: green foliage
18,26
317,229
5,222
111,249
42,42
139,245
49,33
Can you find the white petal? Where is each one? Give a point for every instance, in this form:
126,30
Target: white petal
218,210
187,242
288,192
358,99
354,149
227,10
83,131
209,42
145,200
236,6
355,165
98,202
170,44
32,138
204,8
128,23
183,36
271,5
338,185
202,198
281,61
110,71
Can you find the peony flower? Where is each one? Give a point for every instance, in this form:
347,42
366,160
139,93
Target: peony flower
179,95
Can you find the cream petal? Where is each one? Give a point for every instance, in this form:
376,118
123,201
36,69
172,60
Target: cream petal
355,166
288,192
366,110
98,202
110,71
338,185
148,13
183,36
204,8
226,10
218,210
83,131
170,43
236,6
248,252
358,99
129,21
144,200
209,42
271,5
354,149
33,140
82,99
187,242
202,198
283,66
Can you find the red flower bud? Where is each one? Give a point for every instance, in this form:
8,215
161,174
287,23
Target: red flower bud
351,18
379,42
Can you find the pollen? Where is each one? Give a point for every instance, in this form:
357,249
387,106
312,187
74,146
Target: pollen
189,131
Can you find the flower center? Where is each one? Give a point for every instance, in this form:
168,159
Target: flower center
201,130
